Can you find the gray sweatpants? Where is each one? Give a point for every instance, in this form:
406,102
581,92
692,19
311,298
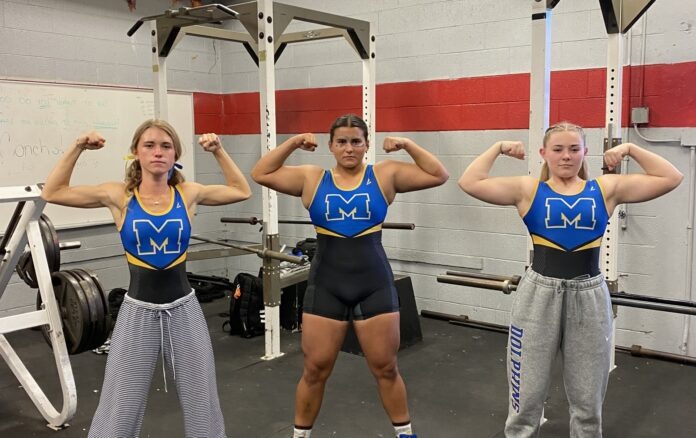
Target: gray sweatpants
143,332
549,314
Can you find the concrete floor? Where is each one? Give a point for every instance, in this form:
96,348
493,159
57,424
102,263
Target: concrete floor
455,377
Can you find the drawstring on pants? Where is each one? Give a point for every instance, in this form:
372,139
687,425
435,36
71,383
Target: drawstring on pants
171,345
574,285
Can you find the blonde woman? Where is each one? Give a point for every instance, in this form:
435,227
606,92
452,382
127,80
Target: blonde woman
563,303
160,315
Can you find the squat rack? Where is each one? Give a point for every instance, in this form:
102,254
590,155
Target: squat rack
24,227
265,22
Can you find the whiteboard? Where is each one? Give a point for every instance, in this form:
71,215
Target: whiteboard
38,122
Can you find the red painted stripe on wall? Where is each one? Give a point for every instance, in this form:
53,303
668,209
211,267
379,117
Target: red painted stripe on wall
479,103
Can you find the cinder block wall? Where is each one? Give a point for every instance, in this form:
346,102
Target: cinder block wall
85,42
476,54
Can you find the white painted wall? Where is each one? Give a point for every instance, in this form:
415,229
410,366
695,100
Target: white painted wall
84,41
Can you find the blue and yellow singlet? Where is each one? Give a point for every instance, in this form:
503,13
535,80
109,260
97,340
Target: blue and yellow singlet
348,212
567,230
156,245
350,275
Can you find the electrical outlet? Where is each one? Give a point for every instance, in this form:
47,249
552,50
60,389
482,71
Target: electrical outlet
639,115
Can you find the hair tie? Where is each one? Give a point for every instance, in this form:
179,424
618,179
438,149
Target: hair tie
177,166
129,157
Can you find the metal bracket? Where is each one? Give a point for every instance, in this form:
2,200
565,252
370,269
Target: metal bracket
620,15
169,23
173,23
271,273
608,144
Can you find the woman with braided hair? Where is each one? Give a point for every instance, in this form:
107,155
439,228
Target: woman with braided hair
160,315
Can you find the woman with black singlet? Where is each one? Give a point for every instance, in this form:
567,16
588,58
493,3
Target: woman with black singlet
350,274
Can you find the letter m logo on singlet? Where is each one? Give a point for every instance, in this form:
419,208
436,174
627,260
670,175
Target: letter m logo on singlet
357,207
152,239
579,215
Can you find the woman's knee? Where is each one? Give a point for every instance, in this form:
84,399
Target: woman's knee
316,371
385,369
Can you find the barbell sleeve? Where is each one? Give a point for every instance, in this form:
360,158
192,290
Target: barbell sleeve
509,284
282,256
399,226
652,306
505,286
240,220
70,245
263,253
652,299
514,279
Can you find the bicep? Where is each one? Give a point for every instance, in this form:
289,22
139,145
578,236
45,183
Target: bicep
408,177
102,195
637,188
216,194
507,190
287,179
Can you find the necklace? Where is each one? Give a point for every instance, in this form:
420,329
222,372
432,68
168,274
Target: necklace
155,199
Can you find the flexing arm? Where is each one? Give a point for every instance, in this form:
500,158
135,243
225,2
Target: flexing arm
426,170
660,175
57,189
236,188
500,190
271,171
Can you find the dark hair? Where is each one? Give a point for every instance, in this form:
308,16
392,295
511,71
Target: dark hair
348,121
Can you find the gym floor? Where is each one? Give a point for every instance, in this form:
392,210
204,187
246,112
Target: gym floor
455,377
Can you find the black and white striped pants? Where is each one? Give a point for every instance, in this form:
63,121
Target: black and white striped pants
144,331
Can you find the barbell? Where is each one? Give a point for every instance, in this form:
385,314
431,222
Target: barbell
82,303
508,284
263,253
254,221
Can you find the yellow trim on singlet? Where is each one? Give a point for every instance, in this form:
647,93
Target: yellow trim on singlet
374,229
362,177
584,184
594,244
179,189
326,232
531,201
538,240
124,210
604,197
136,192
182,258
137,262
379,184
316,189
